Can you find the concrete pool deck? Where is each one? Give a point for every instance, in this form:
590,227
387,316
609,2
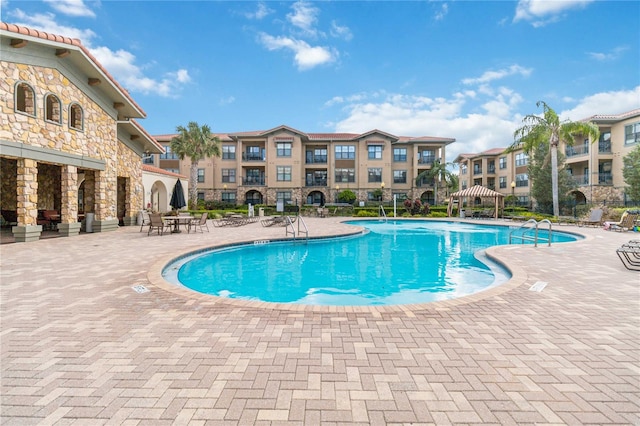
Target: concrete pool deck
80,346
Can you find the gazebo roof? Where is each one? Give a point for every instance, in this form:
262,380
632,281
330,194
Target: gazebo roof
477,191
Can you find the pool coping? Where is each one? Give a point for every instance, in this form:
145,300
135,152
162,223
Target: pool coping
498,254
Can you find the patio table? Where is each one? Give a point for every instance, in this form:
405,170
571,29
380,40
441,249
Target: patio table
176,221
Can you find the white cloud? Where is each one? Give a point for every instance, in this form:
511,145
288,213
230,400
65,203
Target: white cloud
261,12
339,31
488,76
543,12
121,64
71,7
604,103
305,55
304,17
227,101
610,56
440,14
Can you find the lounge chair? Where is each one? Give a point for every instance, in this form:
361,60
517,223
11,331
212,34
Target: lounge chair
629,254
156,222
200,222
594,219
627,222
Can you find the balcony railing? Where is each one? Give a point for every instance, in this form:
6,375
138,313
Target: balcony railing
604,147
425,183
251,156
253,181
316,160
491,169
605,178
572,151
427,160
477,171
316,182
580,179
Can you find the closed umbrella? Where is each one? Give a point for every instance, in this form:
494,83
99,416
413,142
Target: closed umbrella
177,198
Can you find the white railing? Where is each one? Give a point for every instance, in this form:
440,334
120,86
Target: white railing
382,213
531,225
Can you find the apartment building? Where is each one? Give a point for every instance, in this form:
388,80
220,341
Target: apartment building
596,167
262,167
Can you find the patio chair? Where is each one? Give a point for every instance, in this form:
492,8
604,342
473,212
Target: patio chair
594,219
627,222
199,223
629,255
156,222
145,220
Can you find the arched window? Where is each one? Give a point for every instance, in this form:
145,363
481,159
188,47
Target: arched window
76,117
52,109
25,99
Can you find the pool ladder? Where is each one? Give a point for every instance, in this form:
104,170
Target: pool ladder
531,225
382,214
302,228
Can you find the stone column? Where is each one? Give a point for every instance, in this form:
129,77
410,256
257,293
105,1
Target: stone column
27,196
69,225
105,204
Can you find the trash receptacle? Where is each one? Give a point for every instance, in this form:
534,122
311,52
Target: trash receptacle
88,222
261,212
462,213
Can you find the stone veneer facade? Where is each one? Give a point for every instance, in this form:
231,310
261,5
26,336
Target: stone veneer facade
97,140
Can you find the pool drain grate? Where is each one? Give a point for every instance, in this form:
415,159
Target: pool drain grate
538,286
140,289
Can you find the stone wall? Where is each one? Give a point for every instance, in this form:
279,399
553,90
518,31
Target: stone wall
8,182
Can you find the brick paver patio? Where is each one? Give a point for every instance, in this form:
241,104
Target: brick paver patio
80,346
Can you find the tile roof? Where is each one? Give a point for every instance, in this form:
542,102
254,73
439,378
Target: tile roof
613,117
53,38
153,169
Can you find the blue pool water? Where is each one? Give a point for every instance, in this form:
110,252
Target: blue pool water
395,262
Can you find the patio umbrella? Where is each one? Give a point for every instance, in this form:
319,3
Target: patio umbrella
177,198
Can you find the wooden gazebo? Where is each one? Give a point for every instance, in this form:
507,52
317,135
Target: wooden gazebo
474,192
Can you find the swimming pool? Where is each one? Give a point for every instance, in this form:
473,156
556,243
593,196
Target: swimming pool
394,262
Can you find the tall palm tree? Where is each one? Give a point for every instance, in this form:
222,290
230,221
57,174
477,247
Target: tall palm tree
197,143
437,172
549,129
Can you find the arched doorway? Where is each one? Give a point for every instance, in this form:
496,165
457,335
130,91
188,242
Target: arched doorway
253,197
316,197
428,197
159,200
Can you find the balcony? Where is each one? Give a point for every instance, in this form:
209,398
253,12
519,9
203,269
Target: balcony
491,169
315,182
316,160
426,183
253,181
604,147
426,160
573,151
605,178
253,156
477,171
580,179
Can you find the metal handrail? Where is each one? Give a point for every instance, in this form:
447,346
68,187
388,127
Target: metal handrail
524,228
305,231
289,224
384,214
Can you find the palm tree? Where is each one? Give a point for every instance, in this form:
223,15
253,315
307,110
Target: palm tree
197,143
549,129
437,172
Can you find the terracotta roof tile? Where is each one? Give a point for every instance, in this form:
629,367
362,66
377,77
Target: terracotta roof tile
153,169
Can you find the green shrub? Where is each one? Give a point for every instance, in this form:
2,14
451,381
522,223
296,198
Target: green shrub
346,196
366,213
437,214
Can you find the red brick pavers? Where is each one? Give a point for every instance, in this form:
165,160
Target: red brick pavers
79,346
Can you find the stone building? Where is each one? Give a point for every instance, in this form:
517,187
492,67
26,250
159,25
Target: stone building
69,142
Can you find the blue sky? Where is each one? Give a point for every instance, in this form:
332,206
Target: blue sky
469,70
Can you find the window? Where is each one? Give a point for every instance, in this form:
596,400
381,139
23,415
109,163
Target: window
177,171
522,159
522,180
283,149
399,176
254,153
228,152
200,175
25,99
254,177
229,197
52,109
229,175
491,166
399,154
503,181
463,169
464,184
426,157
345,175
345,152
200,196
318,155
477,169
76,117
400,196
503,163
632,134
168,155
284,196
604,143
283,174
375,152
375,174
